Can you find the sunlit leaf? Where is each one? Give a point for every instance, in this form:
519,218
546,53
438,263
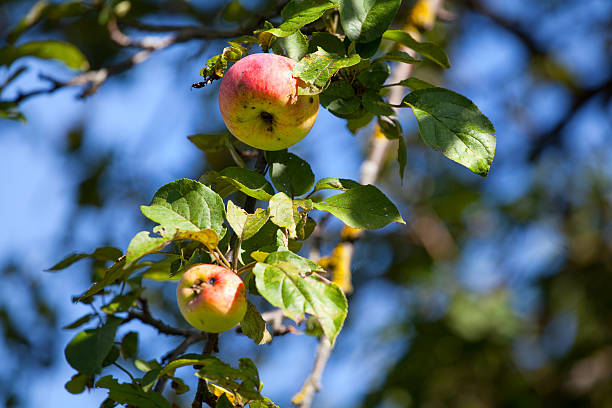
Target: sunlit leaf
366,20
452,124
58,50
245,225
297,14
316,69
287,281
289,173
364,207
429,50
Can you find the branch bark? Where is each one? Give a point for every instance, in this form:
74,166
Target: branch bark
312,385
203,394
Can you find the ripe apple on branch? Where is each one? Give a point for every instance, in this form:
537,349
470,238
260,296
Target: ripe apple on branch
260,104
211,298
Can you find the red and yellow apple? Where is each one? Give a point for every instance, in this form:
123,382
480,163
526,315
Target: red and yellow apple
260,104
211,298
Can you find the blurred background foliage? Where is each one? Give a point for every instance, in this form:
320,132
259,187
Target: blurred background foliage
498,292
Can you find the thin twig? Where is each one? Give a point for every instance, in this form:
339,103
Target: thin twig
312,385
92,80
125,371
145,316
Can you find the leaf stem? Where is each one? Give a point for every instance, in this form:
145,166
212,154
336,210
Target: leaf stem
246,268
125,371
236,254
234,153
223,259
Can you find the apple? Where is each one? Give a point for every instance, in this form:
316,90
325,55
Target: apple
211,298
260,104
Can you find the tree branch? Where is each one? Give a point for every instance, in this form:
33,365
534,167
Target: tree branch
145,317
92,80
203,394
581,98
303,399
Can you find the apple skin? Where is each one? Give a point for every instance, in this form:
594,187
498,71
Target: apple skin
211,298
260,105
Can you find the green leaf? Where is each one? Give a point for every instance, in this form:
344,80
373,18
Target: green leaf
209,142
254,326
179,387
111,357
42,9
287,281
289,173
10,111
266,240
428,50
144,243
207,236
368,49
399,56
187,360
234,12
336,90
247,181
87,350
305,226
295,45
224,402
451,123
78,383
121,303
146,366
402,157
160,270
132,394
58,50
117,271
360,122
100,254
245,225
187,205
375,77
333,183
281,212
374,103
415,84
390,127
367,20
296,14
79,322
364,207
129,345
326,41
316,69
263,403
243,380
339,98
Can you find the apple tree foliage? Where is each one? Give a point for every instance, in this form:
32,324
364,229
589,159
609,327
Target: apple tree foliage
256,218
